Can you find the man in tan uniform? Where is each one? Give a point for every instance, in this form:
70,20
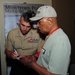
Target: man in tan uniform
20,42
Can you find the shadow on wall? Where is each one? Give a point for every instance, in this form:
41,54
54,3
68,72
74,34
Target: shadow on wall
72,69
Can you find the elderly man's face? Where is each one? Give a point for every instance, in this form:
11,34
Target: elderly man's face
44,25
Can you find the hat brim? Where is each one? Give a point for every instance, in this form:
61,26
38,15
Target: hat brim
35,18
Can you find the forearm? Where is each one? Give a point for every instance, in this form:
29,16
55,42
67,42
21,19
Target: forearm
40,70
8,53
30,61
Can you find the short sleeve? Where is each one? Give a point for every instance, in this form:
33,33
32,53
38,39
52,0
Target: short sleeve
8,44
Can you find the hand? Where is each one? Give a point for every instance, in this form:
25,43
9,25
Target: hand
27,59
14,55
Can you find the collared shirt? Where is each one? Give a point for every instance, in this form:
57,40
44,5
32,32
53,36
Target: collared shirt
27,45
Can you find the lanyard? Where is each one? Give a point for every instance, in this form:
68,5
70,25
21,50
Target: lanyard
53,31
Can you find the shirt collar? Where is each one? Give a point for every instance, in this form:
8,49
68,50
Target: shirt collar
21,35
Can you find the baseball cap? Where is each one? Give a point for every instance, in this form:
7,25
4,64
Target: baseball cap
44,11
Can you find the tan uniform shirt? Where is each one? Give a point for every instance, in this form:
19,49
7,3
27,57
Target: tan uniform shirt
27,45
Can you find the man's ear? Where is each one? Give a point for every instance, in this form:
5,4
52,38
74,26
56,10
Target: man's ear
49,20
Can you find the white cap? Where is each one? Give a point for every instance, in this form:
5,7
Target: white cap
44,11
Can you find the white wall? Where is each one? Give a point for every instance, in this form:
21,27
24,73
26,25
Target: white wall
2,34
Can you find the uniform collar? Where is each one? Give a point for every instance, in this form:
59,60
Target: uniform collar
21,35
